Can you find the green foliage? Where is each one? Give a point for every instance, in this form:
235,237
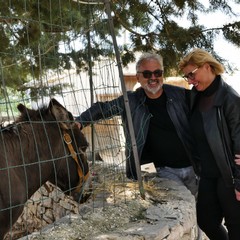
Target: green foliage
156,26
37,92
9,99
232,32
32,33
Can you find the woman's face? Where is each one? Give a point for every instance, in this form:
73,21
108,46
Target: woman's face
199,77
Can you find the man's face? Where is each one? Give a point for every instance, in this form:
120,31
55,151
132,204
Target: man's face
150,76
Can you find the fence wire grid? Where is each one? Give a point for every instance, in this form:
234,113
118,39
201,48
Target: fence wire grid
59,50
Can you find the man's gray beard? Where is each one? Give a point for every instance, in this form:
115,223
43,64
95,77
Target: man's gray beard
152,90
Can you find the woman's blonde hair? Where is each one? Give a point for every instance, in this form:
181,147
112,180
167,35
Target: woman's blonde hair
199,57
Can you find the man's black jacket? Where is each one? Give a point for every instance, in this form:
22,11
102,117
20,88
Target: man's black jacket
177,109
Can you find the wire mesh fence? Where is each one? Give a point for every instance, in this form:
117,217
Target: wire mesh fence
60,50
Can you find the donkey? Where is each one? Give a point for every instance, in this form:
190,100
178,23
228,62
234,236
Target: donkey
41,145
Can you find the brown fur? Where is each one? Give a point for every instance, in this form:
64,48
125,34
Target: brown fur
32,151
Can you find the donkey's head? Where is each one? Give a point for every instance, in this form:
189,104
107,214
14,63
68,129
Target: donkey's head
71,170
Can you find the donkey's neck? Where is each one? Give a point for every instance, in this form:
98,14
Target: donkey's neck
42,148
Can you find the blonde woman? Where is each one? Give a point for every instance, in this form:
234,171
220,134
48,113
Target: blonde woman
215,124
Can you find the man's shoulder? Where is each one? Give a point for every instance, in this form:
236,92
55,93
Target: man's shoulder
138,92
175,91
173,87
136,97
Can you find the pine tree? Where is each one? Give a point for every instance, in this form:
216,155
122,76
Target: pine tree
33,33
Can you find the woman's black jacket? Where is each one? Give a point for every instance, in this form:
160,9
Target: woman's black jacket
177,109
222,129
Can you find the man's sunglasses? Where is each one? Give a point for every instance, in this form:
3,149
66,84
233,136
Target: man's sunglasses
148,74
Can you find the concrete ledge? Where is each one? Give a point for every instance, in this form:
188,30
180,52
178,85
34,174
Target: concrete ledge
167,213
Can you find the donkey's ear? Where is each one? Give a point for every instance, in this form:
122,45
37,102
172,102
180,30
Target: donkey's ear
53,101
25,113
61,114
21,108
